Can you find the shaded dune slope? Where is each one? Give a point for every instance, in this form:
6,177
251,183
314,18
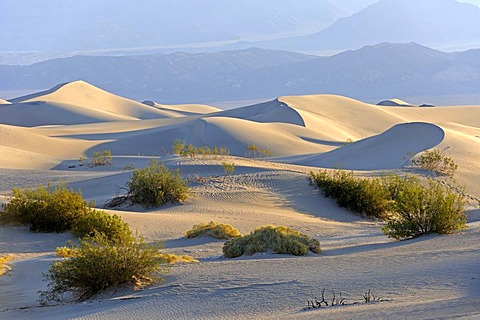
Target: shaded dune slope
389,150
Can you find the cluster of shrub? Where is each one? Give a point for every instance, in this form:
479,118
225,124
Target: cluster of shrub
182,149
255,152
99,158
278,239
108,254
411,207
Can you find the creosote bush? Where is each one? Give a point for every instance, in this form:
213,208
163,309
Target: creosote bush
98,263
59,209
410,208
45,209
228,168
280,240
101,158
214,230
436,160
95,221
182,149
425,209
364,196
156,185
255,152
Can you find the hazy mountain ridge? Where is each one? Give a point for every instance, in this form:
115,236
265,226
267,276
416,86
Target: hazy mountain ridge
374,72
92,25
425,22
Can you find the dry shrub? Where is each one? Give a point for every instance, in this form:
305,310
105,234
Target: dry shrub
281,240
214,230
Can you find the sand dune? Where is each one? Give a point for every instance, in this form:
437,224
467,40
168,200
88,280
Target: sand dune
80,93
183,109
42,136
394,103
391,149
4,101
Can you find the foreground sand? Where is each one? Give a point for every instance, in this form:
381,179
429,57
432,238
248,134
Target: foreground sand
433,277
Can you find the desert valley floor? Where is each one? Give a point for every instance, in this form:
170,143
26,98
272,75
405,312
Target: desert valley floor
42,136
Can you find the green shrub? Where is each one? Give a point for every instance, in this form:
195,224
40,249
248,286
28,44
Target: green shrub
228,168
99,263
214,230
280,240
101,158
435,160
254,152
182,149
425,209
111,226
364,196
45,210
156,185
410,207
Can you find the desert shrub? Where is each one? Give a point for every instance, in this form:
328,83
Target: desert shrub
280,240
45,209
364,196
156,185
66,252
95,221
182,149
425,209
409,206
228,168
101,158
4,267
214,230
436,160
174,258
99,263
255,152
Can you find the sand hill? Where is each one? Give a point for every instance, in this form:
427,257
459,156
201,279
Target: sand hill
43,135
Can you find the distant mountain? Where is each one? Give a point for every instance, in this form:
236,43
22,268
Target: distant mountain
381,71
69,25
426,22
167,78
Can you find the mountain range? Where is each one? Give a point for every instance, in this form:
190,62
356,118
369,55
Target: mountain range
381,71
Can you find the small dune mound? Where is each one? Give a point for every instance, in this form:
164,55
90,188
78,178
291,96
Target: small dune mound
394,103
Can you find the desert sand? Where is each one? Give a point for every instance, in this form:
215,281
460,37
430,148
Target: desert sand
42,136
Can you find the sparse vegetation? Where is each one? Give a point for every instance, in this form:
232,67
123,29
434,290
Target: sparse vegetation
101,158
174,258
281,240
182,149
153,186
436,160
228,168
336,299
98,263
4,267
214,230
255,152
410,208
45,209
